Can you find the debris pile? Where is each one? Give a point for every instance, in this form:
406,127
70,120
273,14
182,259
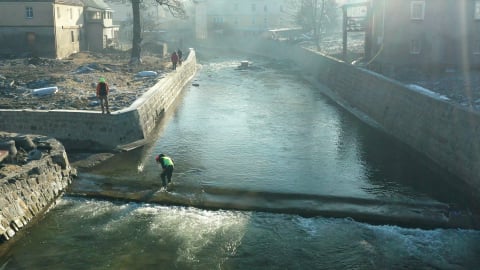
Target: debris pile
50,84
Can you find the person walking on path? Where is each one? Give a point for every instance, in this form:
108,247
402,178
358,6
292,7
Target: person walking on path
167,168
174,59
179,53
102,94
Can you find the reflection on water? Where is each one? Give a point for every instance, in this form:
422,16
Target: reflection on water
258,132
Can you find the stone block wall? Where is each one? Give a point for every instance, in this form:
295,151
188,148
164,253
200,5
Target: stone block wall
30,181
94,131
75,129
443,132
151,106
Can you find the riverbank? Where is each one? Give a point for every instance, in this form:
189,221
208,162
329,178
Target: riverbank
127,127
76,78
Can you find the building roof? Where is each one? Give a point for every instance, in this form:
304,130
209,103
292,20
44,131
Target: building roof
96,5
67,2
356,4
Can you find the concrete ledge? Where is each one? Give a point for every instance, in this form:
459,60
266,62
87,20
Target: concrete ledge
373,211
31,182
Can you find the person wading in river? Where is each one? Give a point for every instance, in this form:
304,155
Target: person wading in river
167,166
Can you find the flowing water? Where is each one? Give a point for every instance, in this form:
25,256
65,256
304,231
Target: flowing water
268,135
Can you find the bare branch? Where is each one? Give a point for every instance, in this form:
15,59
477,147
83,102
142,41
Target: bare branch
175,7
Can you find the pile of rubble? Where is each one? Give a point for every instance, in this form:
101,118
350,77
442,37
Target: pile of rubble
17,150
72,81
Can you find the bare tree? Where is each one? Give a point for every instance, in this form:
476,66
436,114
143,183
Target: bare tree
315,16
175,7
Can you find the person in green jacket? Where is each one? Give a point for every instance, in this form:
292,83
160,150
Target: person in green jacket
167,166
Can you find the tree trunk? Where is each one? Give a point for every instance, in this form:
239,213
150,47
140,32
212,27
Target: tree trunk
135,57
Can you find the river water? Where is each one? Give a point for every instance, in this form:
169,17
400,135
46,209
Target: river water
261,132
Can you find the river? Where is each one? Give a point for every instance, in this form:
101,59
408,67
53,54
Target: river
271,137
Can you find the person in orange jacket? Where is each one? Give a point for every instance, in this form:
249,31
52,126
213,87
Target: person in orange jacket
102,94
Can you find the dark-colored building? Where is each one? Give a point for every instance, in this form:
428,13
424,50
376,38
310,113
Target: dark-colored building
424,33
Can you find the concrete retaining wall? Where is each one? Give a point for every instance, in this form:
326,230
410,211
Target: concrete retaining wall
94,131
446,133
29,188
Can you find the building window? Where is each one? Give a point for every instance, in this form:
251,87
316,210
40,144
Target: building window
218,20
235,7
281,8
417,10
265,8
72,35
415,46
235,21
254,7
71,14
96,15
29,12
477,10
58,12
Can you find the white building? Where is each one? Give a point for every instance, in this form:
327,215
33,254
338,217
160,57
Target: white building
153,17
240,16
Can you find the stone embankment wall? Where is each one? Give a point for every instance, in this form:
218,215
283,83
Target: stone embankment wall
94,131
34,174
445,133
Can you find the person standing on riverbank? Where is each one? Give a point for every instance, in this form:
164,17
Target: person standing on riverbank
180,54
174,59
102,94
167,168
